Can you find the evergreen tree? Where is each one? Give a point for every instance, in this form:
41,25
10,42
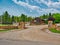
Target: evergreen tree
23,17
13,20
6,18
50,15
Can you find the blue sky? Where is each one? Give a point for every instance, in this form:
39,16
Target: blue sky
29,7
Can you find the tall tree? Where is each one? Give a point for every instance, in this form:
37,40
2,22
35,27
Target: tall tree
44,16
6,17
29,19
23,17
13,20
57,17
50,14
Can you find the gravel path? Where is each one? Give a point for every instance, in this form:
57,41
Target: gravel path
33,33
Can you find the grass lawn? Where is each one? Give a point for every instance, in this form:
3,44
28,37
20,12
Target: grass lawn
54,30
4,24
6,30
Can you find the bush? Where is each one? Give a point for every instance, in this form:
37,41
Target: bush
54,30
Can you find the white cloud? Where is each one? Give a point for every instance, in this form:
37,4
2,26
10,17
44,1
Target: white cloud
52,10
45,11
49,3
51,6
26,4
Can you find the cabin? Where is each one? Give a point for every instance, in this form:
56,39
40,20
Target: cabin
37,21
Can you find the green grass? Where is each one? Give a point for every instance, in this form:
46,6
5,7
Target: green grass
54,30
6,30
3,24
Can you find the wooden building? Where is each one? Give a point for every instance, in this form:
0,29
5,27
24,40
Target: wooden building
37,21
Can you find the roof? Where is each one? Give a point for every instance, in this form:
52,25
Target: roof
37,19
51,19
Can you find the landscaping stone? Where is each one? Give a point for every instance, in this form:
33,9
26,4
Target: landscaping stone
21,25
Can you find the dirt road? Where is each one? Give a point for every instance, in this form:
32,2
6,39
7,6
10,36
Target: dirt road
33,33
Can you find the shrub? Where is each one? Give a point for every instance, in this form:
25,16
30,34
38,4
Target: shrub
54,30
